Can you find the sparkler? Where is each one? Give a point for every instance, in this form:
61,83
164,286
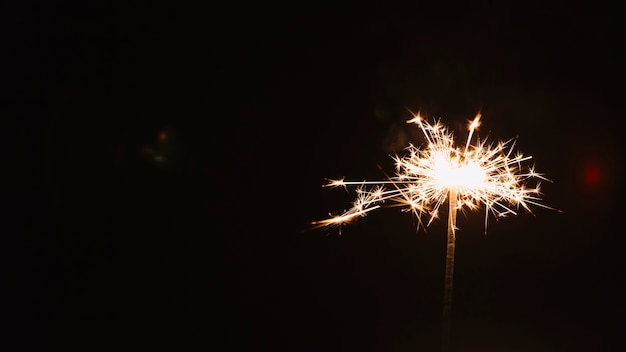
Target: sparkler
468,177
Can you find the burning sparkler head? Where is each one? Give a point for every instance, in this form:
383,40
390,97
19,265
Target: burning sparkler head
480,173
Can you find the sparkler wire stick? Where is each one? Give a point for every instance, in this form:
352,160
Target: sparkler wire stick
449,278
478,174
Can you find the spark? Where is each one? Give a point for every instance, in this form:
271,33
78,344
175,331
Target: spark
492,175
467,178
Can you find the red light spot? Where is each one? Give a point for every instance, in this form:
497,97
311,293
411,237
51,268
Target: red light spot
593,175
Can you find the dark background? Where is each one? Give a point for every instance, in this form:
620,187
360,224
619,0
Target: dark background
164,163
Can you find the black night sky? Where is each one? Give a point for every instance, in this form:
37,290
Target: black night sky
168,160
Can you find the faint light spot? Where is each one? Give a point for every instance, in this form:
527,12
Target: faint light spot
592,175
162,136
